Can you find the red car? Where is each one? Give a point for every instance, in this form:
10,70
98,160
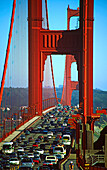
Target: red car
35,144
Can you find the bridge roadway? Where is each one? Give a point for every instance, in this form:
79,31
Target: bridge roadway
64,165
21,129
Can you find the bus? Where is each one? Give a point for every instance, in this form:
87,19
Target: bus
66,139
8,147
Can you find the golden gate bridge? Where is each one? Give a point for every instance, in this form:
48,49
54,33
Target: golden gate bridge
76,44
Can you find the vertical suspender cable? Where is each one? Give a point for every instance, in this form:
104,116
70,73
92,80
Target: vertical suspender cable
50,55
7,51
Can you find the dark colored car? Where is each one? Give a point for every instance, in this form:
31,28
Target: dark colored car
46,139
37,159
37,140
13,155
40,137
5,164
30,139
42,146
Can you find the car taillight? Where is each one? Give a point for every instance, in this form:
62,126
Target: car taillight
50,164
44,164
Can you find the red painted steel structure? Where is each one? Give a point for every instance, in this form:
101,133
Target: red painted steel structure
7,51
75,42
34,27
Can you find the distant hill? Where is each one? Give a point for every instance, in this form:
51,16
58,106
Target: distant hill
19,97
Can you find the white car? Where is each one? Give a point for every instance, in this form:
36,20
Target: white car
64,124
30,155
50,133
52,159
59,151
49,136
14,161
20,149
41,151
66,139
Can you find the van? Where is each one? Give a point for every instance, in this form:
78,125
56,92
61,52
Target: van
66,139
59,151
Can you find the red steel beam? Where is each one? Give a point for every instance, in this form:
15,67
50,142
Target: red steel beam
34,78
7,51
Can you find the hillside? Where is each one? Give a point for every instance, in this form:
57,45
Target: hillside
19,97
16,97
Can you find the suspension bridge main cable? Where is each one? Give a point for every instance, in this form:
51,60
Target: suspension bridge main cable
7,51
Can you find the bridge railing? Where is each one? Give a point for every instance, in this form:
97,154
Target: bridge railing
94,159
19,118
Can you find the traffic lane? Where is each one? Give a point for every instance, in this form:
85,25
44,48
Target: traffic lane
36,135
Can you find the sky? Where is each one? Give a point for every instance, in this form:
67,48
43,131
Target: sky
57,10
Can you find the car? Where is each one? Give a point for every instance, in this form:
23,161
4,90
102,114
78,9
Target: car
59,136
49,136
22,136
19,140
41,151
66,139
37,159
48,163
13,155
39,127
32,149
20,154
59,151
30,155
36,154
37,141
25,142
27,132
20,149
50,133
14,161
5,164
1,167
40,137
51,159
42,146
44,131
35,144
65,124
15,143
27,162
30,139
46,139
55,142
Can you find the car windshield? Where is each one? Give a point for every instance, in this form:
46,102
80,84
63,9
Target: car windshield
13,159
26,160
50,157
59,149
67,138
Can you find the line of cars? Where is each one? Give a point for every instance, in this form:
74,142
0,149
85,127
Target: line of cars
43,146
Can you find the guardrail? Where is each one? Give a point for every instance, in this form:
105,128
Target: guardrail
94,159
98,159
